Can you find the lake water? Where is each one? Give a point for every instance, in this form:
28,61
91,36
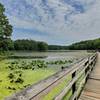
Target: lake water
55,55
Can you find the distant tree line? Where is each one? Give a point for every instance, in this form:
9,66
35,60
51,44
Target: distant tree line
42,46
86,45
57,47
26,45
30,45
83,45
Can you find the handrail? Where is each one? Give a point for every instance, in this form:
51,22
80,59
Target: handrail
91,62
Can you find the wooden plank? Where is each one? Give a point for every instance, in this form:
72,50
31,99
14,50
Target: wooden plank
92,88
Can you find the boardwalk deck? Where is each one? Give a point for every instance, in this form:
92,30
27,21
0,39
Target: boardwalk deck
92,88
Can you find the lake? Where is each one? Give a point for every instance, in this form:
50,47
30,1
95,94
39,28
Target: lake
54,55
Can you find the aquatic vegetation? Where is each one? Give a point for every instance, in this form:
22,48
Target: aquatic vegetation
17,74
27,65
35,64
59,62
13,76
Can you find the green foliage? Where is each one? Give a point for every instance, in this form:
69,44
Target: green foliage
30,45
11,75
2,9
58,88
83,45
25,45
5,30
59,62
29,77
57,47
19,80
34,64
27,65
42,46
7,44
5,27
15,77
86,45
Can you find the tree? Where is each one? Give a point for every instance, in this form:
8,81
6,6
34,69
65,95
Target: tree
30,45
5,28
42,46
25,45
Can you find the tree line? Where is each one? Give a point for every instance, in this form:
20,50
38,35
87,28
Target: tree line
57,47
28,45
86,45
82,45
33,45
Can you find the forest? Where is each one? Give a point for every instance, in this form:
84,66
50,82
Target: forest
86,45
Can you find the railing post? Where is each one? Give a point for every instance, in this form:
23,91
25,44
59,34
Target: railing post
86,70
74,85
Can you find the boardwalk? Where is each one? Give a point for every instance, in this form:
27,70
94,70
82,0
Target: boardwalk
92,88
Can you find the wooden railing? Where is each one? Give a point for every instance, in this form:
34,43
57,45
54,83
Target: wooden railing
86,68
83,66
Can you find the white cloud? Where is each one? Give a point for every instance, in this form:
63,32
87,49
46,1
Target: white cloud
77,26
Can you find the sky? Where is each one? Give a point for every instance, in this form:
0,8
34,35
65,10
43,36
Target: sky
60,22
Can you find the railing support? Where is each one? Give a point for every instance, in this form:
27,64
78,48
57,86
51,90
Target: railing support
74,85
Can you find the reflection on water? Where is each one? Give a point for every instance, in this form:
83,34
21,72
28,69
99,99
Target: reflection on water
55,55
66,55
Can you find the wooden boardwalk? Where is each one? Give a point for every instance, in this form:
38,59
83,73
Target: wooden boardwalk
92,88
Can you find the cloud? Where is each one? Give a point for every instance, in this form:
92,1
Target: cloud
64,21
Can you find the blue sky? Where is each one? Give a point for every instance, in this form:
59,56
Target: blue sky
54,21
